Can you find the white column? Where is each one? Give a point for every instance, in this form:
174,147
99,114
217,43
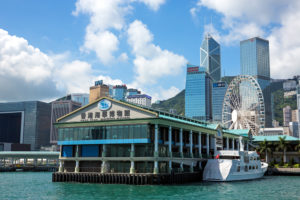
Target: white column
233,143
77,151
155,167
215,145
61,168
77,166
156,141
170,141
241,144
199,144
238,145
104,150
248,145
170,166
132,152
207,144
192,167
181,166
181,142
227,143
132,170
103,167
191,143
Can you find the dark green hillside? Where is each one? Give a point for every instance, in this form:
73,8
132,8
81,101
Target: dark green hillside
176,102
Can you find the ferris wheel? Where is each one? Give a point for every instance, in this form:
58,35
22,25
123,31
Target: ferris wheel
243,105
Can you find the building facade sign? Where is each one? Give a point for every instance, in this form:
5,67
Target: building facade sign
104,104
105,115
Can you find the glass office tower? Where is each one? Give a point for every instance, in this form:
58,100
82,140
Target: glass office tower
119,92
198,93
255,61
210,57
218,93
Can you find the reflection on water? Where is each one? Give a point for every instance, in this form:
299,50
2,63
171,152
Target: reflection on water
38,185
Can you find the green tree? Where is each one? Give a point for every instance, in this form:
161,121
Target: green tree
297,147
282,145
265,147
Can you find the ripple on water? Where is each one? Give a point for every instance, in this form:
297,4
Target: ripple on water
38,185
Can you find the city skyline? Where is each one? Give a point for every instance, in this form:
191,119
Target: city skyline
49,51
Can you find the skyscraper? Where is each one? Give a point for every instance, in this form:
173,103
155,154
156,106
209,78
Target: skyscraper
98,91
287,115
210,57
218,93
255,61
198,93
119,92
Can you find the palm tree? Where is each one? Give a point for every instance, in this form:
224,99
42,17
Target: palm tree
282,145
264,147
297,147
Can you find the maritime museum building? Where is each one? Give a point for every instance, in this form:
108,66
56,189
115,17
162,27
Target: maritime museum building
110,136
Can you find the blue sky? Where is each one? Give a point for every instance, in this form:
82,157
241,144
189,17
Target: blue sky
50,48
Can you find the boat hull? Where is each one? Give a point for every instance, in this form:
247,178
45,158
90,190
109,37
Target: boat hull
225,170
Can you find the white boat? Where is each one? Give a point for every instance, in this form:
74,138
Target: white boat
234,165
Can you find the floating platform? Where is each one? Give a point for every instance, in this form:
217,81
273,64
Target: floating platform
124,178
29,169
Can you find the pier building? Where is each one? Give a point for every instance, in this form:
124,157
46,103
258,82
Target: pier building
110,136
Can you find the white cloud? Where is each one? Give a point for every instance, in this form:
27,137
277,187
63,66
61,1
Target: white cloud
243,19
103,43
108,80
151,62
153,4
74,77
105,18
123,57
20,60
26,73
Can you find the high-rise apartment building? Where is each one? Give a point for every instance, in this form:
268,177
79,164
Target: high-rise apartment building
119,92
98,90
198,93
287,115
295,116
59,109
132,91
255,61
210,57
294,129
218,93
140,99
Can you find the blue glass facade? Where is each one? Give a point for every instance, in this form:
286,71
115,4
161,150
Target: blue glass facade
119,92
81,98
218,93
198,93
255,61
210,57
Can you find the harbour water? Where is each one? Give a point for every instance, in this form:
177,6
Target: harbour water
38,185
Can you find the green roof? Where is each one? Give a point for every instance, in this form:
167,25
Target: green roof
240,132
189,121
274,138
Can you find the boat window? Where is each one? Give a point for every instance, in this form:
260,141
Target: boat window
238,168
246,168
251,158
